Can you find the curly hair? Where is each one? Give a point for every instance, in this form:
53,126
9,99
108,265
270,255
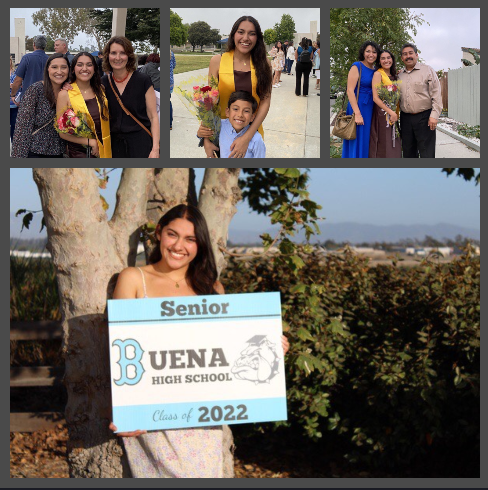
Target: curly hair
129,51
363,47
258,56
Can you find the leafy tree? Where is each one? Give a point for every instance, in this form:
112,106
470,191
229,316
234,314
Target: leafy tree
350,27
29,43
178,33
142,26
200,34
66,23
285,29
270,36
465,173
87,249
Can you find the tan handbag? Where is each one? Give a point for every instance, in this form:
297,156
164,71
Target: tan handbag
345,126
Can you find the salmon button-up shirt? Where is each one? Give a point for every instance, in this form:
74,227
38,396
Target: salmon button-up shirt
420,90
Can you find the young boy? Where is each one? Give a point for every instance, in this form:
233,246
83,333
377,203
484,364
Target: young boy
240,112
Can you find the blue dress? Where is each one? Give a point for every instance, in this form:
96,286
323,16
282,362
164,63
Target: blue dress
359,147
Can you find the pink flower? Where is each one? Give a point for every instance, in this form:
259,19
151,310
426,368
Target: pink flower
390,88
70,113
75,121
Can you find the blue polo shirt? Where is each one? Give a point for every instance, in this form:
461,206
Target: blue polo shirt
31,68
228,134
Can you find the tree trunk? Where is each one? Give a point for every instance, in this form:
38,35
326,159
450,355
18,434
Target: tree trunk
88,253
219,195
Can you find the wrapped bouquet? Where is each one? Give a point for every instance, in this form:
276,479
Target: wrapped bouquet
75,123
390,96
203,101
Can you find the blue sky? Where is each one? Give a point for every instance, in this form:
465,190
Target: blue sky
367,196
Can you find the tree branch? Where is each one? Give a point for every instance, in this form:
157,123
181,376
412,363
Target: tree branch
130,211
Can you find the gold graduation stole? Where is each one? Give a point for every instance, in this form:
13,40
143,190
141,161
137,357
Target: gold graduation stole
78,104
385,80
227,84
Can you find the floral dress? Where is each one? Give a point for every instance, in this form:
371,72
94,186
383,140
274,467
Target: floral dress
176,453
278,61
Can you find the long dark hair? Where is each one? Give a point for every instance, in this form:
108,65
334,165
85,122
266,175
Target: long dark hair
281,47
95,82
48,87
202,272
258,56
393,71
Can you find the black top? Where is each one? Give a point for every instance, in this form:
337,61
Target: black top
133,98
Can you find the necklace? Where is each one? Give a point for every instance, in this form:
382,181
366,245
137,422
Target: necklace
176,282
120,81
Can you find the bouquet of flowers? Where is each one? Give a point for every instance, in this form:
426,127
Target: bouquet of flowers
203,101
390,96
70,122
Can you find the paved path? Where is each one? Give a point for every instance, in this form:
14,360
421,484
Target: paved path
291,128
445,146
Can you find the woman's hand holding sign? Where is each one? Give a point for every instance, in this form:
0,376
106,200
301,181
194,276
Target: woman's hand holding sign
285,344
126,434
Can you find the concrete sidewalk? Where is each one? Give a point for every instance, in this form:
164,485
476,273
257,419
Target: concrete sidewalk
445,146
291,128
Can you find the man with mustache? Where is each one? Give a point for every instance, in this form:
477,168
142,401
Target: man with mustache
420,104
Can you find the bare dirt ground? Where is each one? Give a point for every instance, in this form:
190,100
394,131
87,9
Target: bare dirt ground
43,455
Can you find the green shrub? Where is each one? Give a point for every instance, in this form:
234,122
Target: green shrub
386,357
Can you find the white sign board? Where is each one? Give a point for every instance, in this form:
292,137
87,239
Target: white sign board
195,361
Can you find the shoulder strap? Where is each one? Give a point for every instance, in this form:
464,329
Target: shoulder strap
143,282
125,109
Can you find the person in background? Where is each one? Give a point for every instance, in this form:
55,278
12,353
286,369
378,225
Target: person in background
61,46
151,69
172,65
141,61
13,106
285,49
290,55
35,136
31,68
314,46
317,65
303,57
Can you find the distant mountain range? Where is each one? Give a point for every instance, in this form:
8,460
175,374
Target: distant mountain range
359,233
339,232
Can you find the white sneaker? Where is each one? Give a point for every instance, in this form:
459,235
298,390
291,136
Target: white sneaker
275,86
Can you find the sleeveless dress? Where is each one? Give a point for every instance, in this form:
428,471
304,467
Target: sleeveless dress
176,453
381,139
359,147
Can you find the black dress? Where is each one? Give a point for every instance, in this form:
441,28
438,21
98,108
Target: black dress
129,140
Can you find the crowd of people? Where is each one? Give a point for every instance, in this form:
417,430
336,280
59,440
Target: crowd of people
246,78
112,93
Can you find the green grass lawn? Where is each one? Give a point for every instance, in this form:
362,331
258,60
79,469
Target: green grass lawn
190,62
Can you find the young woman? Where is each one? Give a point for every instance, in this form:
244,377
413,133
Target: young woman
182,264
35,136
244,66
382,142
303,57
136,92
363,107
278,64
317,65
88,97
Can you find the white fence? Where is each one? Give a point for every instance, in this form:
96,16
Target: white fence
464,95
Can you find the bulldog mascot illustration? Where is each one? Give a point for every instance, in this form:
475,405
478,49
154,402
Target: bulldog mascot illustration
258,362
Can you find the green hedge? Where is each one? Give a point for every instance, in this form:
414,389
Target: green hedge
386,357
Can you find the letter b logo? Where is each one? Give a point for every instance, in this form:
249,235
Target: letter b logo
125,362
